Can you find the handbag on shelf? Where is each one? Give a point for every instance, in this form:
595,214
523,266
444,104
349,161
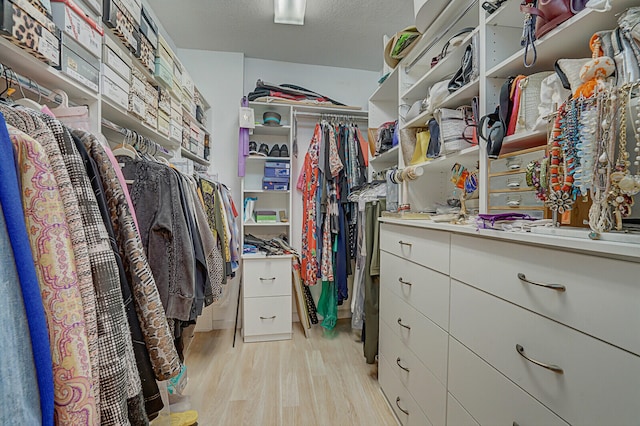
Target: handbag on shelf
468,70
414,143
417,108
529,101
437,94
454,41
454,131
434,147
549,13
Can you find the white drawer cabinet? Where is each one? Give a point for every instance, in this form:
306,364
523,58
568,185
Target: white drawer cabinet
415,331
266,298
423,288
601,295
457,415
505,319
569,372
422,384
489,397
422,246
269,277
404,406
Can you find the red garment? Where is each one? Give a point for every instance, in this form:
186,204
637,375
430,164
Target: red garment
308,184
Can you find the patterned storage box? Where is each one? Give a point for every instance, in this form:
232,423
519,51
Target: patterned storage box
27,27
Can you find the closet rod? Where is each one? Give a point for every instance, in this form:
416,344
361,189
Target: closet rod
10,76
126,132
436,39
318,114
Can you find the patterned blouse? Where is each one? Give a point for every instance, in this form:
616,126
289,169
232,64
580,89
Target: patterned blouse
49,235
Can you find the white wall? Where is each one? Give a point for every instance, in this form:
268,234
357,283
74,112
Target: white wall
219,77
349,86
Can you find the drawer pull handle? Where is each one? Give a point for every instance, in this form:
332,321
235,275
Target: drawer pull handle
403,325
401,366
404,243
400,408
268,279
558,287
554,368
268,318
401,281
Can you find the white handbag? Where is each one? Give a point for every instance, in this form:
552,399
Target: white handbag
529,101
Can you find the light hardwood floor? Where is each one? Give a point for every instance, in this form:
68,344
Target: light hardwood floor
323,380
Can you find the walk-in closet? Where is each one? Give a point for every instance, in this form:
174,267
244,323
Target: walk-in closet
297,213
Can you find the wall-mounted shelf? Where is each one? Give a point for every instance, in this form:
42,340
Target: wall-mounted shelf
190,155
388,89
271,130
386,159
273,224
121,117
445,162
261,158
24,64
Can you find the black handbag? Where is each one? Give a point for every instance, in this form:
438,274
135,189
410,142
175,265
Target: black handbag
464,73
445,48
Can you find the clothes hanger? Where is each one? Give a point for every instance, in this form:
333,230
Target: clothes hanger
124,149
30,103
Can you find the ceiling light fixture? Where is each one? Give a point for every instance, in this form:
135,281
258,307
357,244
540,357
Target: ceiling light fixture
289,11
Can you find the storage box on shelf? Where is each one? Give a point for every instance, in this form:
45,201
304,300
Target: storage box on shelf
79,64
77,25
16,16
121,23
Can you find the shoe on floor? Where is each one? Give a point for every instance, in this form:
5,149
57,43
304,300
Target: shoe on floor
185,418
284,150
275,151
263,150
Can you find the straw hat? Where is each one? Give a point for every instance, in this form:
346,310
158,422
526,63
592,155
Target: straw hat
392,60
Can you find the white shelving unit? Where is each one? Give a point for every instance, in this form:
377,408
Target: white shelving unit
43,75
501,55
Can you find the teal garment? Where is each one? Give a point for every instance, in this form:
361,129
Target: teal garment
20,398
328,304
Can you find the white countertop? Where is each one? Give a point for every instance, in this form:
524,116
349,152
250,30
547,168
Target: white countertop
570,239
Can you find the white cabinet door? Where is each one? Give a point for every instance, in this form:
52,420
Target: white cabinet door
599,384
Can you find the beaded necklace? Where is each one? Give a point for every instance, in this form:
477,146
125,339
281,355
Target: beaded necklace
560,197
600,219
623,184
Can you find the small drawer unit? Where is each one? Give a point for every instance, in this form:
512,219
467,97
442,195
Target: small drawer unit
511,182
266,284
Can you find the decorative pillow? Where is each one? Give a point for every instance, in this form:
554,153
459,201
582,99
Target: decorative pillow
568,71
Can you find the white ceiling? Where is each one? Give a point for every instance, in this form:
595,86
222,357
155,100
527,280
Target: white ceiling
339,33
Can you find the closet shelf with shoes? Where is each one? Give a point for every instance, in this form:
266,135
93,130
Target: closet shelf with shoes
195,157
385,160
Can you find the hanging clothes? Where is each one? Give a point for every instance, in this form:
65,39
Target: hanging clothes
14,218
151,393
151,315
22,404
51,248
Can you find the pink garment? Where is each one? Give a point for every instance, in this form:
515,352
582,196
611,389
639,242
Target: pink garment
511,129
123,183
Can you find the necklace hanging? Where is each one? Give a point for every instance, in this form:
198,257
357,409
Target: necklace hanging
560,198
